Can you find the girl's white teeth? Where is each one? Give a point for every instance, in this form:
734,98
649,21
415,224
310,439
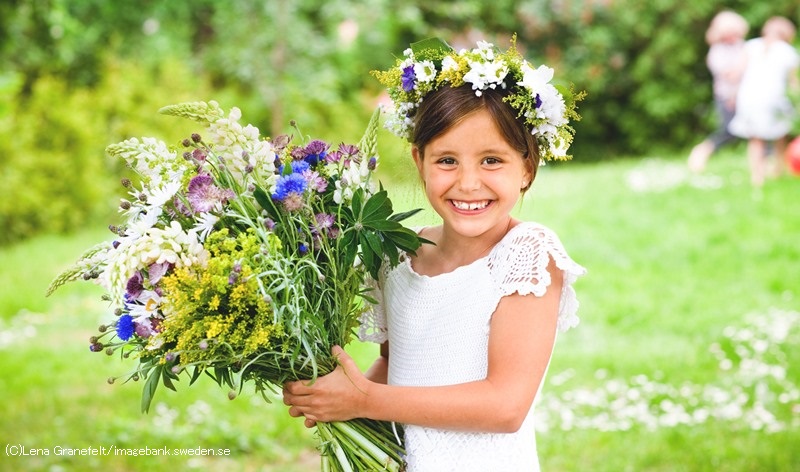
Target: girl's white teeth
470,205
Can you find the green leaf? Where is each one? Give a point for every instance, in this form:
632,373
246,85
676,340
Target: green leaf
378,207
431,48
404,215
266,203
150,387
383,225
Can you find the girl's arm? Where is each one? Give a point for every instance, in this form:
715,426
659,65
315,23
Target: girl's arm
522,334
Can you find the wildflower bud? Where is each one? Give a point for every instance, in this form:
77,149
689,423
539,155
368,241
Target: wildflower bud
126,182
169,357
125,204
187,155
186,142
321,278
176,369
203,345
109,351
143,197
267,299
196,137
233,278
111,380
127,354
118,312
231,395
292,123
87,276
105,297
93,339
135,377
199,155
113,229
251,187
248,168
102,328
96,347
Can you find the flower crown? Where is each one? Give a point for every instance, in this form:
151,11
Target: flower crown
430,64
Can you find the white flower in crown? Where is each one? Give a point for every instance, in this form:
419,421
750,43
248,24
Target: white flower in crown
425,71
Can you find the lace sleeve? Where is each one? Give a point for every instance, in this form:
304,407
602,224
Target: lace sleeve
372,323
519,265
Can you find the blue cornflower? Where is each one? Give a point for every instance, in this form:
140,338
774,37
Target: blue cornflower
125,327
302,249
298,167
408,78
288,184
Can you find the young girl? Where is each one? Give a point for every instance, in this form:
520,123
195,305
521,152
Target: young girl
468,324
763,110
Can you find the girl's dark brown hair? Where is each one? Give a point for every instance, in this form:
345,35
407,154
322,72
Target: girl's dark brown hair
446,107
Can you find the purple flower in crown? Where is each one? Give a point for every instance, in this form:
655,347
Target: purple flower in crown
408,79
203,195
537,101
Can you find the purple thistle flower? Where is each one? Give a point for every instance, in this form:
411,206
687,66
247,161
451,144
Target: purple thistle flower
199,155
315,151
298,153
333,157
316,181
349,150
125,327
204,195
408,78
135,285
324,220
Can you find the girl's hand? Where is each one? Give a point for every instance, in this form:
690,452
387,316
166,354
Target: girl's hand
338,396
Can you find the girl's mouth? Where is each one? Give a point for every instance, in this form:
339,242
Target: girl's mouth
470,206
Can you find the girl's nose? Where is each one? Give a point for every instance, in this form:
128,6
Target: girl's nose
469,180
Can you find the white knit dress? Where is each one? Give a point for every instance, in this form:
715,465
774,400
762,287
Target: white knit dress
438,333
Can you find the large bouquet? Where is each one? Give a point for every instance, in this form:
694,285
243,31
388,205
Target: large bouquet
246,259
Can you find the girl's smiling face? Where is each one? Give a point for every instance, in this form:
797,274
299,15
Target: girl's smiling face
472,176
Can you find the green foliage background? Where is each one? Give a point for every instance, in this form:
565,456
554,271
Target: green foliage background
78,75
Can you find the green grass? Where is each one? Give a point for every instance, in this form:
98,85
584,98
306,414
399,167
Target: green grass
678,264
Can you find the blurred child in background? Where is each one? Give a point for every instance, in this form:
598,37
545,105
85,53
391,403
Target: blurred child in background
725,36
764,112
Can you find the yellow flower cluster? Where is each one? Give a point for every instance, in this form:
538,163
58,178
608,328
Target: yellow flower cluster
218,312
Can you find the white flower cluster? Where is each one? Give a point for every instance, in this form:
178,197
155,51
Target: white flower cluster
170,245
242,148
352,177
151,159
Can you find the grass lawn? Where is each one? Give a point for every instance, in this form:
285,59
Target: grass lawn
687,357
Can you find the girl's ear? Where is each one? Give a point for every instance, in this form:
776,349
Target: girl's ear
417,159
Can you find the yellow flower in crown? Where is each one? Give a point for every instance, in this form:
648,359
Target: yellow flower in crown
431,64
